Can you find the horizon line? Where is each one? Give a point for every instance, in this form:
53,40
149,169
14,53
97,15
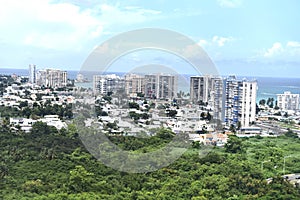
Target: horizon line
223,75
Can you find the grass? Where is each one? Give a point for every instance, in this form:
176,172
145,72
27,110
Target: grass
269,153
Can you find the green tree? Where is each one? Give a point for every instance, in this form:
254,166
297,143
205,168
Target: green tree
270,102
80,179
290,133
33,186
234,145
208,116
26,112
172,113
262,102
232,128
41,128
134,105
23,104
165,133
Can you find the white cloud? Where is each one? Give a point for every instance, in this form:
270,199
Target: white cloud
279,51
274,50
220,41
62,25
215,41
230,3
41,23
293,44
202,43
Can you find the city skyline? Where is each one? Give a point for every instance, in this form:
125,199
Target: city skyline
247,38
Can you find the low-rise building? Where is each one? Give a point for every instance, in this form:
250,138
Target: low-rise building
25,124
288,101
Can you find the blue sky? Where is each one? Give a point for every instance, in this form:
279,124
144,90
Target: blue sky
254,38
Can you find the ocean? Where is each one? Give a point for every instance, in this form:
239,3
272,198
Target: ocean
268,87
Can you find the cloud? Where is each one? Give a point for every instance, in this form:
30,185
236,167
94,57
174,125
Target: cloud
41,23
290,50
215,41
274,50
61,25
202,43
293,44
230,3
220,41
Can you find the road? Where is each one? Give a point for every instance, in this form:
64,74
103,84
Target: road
272,127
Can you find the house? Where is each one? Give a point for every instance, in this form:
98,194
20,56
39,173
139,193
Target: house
24,124
53,120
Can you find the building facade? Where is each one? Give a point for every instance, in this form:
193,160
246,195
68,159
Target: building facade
107,83
32,74
52,78
215,97
134,84
199,88
160,86
207,89
288,101
248,106
239,102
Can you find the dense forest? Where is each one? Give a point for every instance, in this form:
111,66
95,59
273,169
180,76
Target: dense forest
51,164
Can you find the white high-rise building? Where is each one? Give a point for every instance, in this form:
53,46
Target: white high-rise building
99,84
160,86
288,101
239,101
52,78
134,84
248,113
32,74
107,83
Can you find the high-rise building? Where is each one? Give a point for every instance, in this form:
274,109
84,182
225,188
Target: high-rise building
134,84
239,101
215,97
248,113
99,84
52,78
207,89
202,88
107,83
199,88
288,101
32,74
160,86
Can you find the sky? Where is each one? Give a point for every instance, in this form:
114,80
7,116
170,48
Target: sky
242,37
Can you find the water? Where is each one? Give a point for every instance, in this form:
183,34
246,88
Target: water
267,87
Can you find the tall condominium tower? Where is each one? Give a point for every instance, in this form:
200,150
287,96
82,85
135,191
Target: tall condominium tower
32,74
207,89
161,86
52,78
134,84
199,88
107,83
239,101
